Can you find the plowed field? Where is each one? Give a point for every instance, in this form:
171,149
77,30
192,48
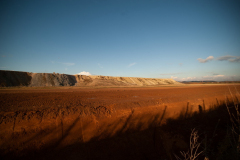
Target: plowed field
97,123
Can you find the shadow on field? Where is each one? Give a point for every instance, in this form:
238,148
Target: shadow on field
141,137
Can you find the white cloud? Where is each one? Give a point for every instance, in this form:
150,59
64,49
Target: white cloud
84,73
132,64
229,58
215,78
218,75
205,60
189,79
184,79
172,77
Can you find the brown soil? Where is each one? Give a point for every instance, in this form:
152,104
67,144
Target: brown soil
103,123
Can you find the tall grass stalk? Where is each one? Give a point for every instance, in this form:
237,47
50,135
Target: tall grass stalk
193,152
234,114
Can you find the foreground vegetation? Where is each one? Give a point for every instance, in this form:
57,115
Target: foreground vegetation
214,134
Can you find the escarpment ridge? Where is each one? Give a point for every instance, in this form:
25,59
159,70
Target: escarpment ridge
16,78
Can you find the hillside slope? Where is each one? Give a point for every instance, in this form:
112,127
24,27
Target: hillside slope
14,78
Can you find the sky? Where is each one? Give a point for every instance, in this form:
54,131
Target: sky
186,40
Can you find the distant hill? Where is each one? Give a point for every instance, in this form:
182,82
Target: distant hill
15,78
206,82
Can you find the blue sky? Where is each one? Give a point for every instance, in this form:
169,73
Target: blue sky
179,39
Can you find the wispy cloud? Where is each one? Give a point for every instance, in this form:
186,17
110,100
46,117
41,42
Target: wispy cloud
99,65
84,73
218,77
3,67
235,60
213,73
172,77
167,74
132,64
205,60
189,79
209,78
6,55
229,58
184,79
66,64
213,77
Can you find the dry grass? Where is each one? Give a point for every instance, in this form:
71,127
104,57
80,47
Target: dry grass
193,152
220,131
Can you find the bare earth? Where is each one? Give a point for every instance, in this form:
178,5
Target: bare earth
95,123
